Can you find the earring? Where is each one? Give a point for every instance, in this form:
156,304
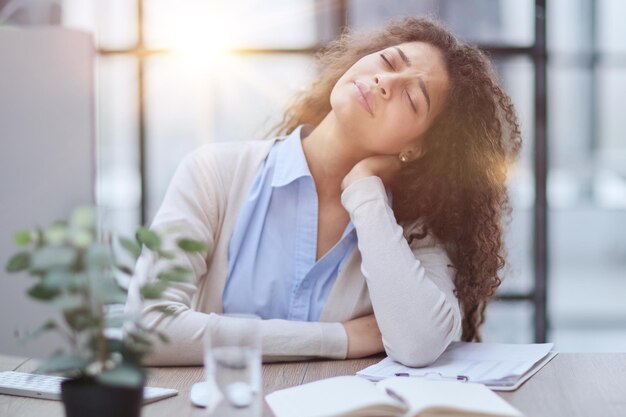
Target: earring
404,157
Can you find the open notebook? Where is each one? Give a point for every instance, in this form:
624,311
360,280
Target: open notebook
350,396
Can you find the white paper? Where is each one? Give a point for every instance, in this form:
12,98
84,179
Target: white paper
332,397
487,363
422,394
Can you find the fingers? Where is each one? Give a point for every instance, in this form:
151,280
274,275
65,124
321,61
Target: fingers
383,166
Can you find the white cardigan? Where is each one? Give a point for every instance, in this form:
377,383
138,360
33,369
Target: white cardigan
409,288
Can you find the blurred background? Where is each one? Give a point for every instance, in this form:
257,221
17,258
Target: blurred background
172,75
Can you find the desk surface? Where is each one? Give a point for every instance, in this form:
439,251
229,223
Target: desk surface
572,385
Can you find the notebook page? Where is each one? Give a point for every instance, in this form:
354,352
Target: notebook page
479,362
331,397
422,394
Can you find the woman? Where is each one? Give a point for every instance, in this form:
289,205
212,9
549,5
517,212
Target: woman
375,224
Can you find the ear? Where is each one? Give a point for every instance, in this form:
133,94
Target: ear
417,151
412,153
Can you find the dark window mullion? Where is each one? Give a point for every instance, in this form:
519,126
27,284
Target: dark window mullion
540,247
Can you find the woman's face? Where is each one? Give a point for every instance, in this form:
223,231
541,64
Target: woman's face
389,98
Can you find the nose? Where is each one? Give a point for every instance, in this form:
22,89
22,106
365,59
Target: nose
382,85
385,83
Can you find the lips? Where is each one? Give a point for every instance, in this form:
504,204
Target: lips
364,96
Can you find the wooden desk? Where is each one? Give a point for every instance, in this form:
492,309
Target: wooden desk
572,385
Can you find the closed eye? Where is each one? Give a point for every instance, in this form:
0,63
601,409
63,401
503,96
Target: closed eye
390,66
387,61
411,102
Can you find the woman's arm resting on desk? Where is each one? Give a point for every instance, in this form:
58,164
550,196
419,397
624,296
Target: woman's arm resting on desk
282,340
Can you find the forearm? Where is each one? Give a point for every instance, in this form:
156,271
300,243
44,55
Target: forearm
417,318
281,340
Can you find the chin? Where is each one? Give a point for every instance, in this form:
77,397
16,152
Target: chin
350,117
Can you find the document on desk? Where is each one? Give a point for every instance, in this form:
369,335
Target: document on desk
501,367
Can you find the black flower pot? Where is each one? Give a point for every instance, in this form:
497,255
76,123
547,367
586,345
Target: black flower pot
86,397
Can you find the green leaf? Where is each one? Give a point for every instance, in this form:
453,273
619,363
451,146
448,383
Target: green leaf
113,345
83,217
149,238
105,289
176,274
68,303
190,245
63,363
153,290
139,337
53,257
78,282
80,319
59,280
126,375
131,246
99,256
81,238
123,268
23,237
48,325
56,234
166,255
18,262
138,343
42,293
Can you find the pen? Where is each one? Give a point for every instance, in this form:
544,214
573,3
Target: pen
461,378
396,397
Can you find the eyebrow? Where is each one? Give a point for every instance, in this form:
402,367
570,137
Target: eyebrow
405,58
422,85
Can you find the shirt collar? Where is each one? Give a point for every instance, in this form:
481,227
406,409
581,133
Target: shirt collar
290,160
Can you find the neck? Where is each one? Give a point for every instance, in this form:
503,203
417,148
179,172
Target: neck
330,153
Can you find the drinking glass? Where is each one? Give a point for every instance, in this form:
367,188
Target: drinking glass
232,361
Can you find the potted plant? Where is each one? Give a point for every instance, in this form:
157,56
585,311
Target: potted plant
77,273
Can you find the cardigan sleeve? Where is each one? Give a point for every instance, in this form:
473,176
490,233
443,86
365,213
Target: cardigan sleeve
411,288
192,208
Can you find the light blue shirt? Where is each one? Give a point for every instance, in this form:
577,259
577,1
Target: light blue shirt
272,270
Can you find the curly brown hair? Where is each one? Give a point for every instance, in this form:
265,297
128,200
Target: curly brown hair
457,187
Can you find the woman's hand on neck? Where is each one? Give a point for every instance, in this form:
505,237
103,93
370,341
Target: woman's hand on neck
385,167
